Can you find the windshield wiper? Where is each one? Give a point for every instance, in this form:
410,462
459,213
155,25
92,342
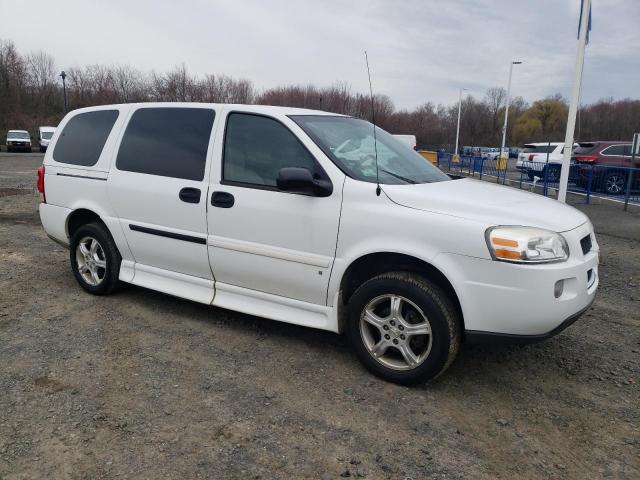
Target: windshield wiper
399,177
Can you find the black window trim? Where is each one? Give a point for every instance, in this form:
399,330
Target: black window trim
321,171
210,147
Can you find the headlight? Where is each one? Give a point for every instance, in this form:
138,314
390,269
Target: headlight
526,245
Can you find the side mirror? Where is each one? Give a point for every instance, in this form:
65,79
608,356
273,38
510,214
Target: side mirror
300,180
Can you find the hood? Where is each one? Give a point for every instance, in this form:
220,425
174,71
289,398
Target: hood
487,203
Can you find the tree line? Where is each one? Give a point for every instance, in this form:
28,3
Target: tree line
31,95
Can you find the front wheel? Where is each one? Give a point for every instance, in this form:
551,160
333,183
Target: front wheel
95,260
403,328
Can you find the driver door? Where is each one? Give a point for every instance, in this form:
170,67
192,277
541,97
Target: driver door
261,239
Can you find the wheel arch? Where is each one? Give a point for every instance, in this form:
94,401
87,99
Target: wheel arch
79,217
369,265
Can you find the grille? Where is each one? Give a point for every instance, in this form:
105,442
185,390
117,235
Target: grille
585,243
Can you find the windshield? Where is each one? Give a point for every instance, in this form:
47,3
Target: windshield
47,135
349,143
24,135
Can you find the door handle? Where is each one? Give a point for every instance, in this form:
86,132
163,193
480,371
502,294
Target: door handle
190,195
222,199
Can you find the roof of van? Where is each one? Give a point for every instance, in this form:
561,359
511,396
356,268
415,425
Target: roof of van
18,131
47,129
266,109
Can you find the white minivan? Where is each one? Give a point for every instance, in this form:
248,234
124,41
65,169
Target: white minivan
286,214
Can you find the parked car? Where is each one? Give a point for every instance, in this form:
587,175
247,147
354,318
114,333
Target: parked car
607,163
409,140
285,214
538,158
491,153
18,140
44,137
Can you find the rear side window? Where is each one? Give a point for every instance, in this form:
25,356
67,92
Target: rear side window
615,150
539,148
83,138
169,142
257,147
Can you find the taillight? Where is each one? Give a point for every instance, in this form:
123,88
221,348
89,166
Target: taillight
586,158
531,157
43,198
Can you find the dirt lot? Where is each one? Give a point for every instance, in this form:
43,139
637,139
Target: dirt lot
143,385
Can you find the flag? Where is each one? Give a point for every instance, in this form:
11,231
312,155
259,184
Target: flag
580,20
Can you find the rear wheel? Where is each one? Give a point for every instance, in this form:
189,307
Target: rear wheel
553,173
403,327
95,260
613,183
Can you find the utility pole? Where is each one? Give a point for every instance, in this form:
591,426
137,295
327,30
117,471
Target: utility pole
506,109
575,97
455,153
64,89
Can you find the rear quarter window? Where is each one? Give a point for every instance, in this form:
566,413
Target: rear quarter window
83,138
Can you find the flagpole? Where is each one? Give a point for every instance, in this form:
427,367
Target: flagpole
575,97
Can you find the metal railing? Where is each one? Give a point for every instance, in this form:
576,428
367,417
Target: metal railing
604,181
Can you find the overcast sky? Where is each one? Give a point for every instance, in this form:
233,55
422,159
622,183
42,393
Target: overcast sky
419,50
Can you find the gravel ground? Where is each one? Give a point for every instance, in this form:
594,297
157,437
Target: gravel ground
143,385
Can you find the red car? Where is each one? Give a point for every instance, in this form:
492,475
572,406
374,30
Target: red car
609,164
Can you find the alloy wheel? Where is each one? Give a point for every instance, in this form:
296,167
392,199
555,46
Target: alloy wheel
91,261
396,332
615,184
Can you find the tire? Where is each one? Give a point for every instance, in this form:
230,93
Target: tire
95,270
614,183
29,150
531,175
553,173
8,150
422,305
42,149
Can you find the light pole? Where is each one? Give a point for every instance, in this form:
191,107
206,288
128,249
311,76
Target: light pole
64,89
506,110
455,152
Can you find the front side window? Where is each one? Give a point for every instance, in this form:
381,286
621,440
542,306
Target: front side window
83,138
169,142
257,147
349,142
47,135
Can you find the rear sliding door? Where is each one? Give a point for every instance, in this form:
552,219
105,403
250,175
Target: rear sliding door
158,190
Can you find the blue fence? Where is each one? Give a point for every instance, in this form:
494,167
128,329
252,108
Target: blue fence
615,182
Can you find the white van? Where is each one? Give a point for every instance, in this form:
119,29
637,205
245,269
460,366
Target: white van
18,140
277,212
44,137
409,140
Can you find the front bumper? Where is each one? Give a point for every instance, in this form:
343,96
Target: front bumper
19,145
503,300
476,337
